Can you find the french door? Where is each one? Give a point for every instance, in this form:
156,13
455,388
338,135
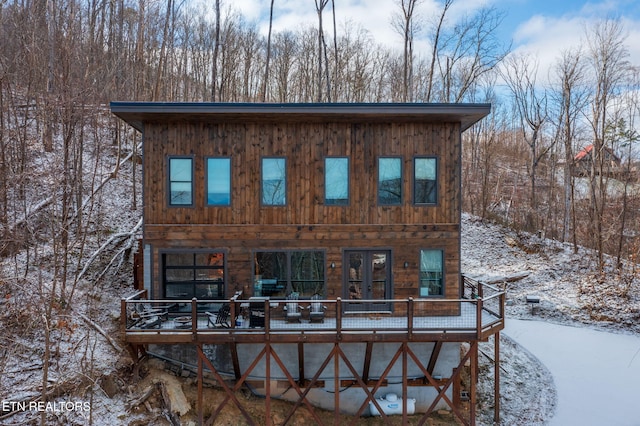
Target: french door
367,277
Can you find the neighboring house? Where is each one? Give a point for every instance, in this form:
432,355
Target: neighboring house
357,204
583,162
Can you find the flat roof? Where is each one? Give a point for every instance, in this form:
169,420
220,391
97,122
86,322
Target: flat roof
138,113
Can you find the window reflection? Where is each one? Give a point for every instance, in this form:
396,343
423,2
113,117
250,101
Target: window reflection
336,180
274,181
219,181
425,181
389,181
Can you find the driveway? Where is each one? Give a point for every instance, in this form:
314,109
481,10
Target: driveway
597,374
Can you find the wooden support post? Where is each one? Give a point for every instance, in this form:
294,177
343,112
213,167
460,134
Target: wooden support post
336,383
496,378
194,318
200,384
267,386
405,415
123,316
301,376
473,380
367,361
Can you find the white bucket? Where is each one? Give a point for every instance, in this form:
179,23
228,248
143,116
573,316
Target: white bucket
391,404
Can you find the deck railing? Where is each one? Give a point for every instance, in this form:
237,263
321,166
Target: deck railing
480,313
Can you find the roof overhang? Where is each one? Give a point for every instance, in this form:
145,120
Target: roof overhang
139,113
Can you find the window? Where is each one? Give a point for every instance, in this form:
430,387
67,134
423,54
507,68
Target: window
218,181
188,275
274,182
336,181
425,183
389,181
180,181
278,273
431,273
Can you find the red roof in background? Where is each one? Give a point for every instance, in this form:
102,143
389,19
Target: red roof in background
583,153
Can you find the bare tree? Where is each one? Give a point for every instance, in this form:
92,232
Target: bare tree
530,103
268,57
322,48
570,71
435,44
406,24
607,56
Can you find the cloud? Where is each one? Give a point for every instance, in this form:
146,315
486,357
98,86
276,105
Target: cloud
547,37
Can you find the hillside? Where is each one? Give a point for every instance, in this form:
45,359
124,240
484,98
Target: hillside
89,366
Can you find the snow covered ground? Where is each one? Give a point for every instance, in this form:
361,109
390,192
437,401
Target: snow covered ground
577,360
537,387
596,373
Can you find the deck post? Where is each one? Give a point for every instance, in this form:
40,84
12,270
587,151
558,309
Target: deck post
410,308
200,385
405,369
123,316
473,380
194,318
496,367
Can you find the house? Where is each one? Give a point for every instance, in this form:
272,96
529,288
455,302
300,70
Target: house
358,205
583,162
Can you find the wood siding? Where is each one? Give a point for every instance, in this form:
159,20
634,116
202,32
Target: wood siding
305,147
305,222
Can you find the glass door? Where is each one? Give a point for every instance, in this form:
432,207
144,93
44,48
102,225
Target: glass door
367,278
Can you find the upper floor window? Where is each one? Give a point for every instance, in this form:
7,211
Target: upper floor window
389,181
180,181
425,181
431,273
336,181
219,181
274,181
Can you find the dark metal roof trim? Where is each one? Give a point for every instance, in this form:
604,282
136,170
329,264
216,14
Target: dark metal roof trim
137,113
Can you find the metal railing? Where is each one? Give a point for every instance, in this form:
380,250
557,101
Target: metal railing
480,312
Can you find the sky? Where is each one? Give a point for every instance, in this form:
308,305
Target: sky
543,28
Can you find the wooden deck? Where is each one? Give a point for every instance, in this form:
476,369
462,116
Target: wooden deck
481,315
479,318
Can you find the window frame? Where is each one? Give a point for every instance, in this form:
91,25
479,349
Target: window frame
194,282
262,181
347,202
442,273
437,181
288,255
206,183
390,157
170,181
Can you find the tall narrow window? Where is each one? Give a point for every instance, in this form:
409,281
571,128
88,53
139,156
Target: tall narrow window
389,181
336,181
425,183
218,181
180,181
274,182
431,273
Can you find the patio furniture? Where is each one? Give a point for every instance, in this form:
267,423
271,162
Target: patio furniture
183,322
221,319
316,309
146,316
292,308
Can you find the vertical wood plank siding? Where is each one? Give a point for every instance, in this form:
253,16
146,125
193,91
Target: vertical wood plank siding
305,222
305,148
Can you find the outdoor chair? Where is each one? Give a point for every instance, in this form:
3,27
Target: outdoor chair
293,308
146,316
221,319
316,309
